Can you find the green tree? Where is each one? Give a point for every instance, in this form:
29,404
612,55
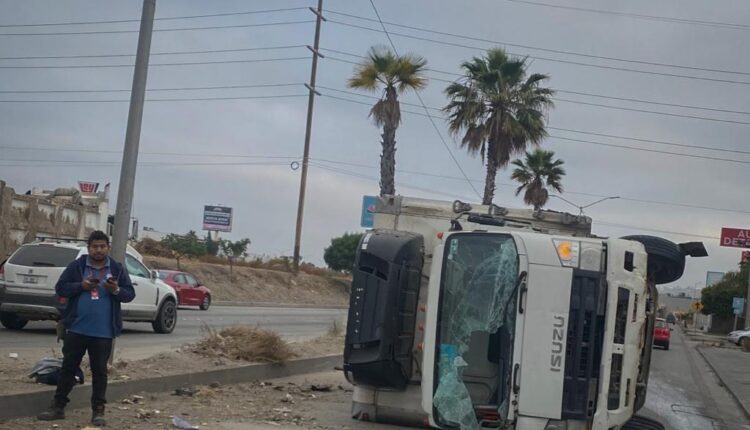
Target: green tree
234,250
342,251
498,109
184,246
212,246
538,171
392,74
717,299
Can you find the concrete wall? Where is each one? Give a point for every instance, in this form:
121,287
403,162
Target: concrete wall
24,218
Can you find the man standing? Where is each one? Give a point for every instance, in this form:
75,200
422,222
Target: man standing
95,286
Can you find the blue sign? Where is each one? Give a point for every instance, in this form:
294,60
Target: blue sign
368,211
738,303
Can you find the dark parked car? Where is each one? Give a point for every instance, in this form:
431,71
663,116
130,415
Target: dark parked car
190,291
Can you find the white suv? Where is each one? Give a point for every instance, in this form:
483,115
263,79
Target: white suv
29,275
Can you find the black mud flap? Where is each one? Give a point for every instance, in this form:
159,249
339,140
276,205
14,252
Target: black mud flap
382,309
643,423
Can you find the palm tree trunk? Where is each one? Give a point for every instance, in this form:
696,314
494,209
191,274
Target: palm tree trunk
489,180
388,161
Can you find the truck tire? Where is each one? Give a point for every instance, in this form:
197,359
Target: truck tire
166,318
12,321
666,346
666,260
642,423
745,343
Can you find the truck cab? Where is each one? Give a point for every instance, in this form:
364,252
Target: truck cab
470,317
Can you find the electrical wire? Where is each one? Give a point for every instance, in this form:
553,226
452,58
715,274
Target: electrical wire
208,51
277,96
191,63
159,30
121,90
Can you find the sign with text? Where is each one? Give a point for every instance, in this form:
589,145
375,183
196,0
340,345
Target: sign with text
217,218
368,211
88,187
738,304
713,278
745,257
735,237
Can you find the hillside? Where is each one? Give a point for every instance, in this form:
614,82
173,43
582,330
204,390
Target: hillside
261,285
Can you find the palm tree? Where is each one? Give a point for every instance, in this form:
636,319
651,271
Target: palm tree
499,110
535,174
393,75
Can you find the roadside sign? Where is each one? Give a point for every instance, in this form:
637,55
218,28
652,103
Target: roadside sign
697,306
713,278
745,257
217,218
88,187
368,211
738,304
735,237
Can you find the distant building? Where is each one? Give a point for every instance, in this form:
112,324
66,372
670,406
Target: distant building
680,303
150,233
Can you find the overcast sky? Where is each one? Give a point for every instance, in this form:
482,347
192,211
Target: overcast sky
172,189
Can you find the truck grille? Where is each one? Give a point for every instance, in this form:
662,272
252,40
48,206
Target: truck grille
583,352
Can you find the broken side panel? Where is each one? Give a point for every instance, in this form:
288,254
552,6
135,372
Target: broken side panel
382,309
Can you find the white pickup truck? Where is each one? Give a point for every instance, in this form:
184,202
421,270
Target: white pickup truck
471,317
29,275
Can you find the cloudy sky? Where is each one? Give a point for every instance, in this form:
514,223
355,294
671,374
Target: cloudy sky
236,149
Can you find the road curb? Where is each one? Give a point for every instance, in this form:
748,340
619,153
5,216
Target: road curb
723,382
30,404
278,305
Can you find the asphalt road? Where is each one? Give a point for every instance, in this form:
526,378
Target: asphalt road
140,341
684,394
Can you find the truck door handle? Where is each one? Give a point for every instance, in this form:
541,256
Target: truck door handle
523,289
516,370
135,284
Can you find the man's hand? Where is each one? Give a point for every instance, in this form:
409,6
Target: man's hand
89,284
111,285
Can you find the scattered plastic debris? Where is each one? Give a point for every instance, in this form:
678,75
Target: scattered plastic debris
179,423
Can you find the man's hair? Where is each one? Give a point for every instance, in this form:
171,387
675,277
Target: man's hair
98,235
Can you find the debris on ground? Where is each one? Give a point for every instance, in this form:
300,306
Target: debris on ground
179,423
13,355
321,387
244,343
185,391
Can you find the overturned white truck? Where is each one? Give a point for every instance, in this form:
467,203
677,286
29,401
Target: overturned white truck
469,316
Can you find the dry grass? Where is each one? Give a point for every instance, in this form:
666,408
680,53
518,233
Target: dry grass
244,343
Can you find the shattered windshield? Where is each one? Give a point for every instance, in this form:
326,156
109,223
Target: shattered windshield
476,325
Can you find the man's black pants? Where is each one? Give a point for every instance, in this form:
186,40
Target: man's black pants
74,347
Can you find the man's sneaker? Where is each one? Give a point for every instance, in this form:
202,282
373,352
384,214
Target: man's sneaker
53,413
97,417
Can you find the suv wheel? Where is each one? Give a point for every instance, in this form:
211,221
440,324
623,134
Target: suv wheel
12,321
166,318
206,302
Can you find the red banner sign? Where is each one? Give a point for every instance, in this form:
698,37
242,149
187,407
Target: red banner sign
88,187
735,237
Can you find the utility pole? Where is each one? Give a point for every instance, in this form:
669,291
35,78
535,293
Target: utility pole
133,134
308,130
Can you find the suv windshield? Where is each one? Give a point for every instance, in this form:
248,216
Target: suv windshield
43,256
476,325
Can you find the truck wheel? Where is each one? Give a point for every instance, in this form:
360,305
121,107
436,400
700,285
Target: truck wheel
206,302
745,343
642,423
166,318
666,260
666,346
12,321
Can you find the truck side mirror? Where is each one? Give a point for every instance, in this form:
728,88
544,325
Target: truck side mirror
154,275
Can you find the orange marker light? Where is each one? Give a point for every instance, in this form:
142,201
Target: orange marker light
420,347
440,235
423,308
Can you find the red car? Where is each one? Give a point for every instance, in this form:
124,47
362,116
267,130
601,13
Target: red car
190,292
662,333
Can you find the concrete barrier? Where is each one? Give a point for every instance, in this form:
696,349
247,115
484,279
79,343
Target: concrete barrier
30,404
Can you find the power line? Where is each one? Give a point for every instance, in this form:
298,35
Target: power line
640,16
656,151
557,90
191,63
277,96
676,115
577,63
213,15
536,48
78,163
209,51
441,192
111,151
212,27
426,110
217,87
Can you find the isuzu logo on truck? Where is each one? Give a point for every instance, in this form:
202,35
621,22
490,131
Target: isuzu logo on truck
558,337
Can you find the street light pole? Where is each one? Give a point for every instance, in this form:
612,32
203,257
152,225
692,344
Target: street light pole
308,132
581,208
133,134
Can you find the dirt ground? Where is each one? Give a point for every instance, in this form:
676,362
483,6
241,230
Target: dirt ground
261,285
14,371
297,401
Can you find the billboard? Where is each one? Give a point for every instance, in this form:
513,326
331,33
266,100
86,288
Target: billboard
217,218
735,237
88,187
713,278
